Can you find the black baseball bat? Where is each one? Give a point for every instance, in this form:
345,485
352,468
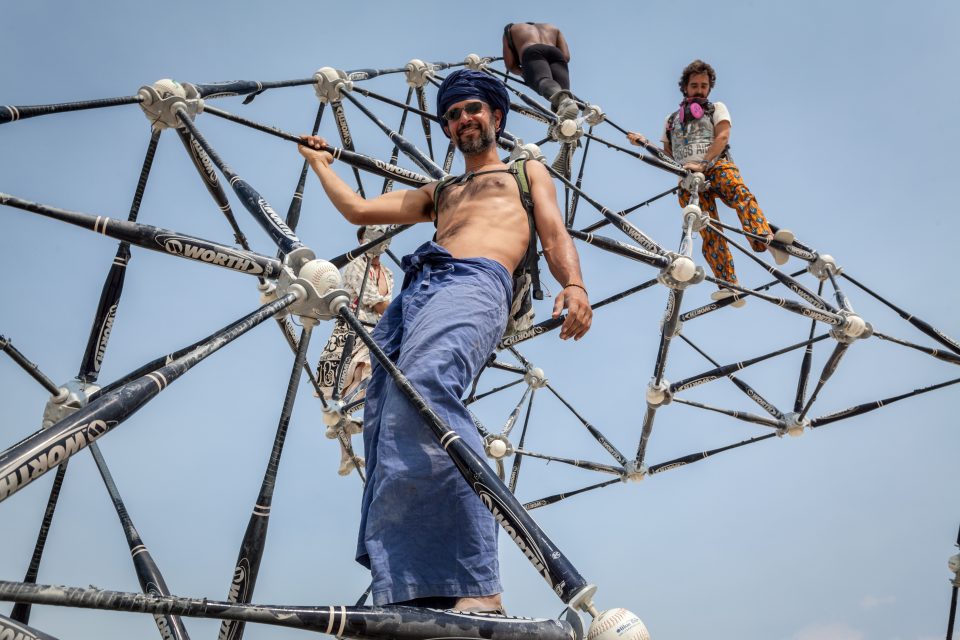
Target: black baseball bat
820,315
718,372
749,391
208,90
622,249
255,537
936,353
580,464
786,280
602,223
34,456
206,170
671,317
30,367
599,437
922,325
543,502
546,558
358,623
346,138
371,165
518,457
829,368
157,239
660,160
11,113
21,610
10,629
251,199
739,415
804,376
148,573
425,119
713,306
866,407
405,146
616,219
112,289
395,152
422,111
293,211
695,457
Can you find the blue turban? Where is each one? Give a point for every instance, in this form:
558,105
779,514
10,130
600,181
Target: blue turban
464,84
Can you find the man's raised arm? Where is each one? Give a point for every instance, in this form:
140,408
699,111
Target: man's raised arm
560,253
404,206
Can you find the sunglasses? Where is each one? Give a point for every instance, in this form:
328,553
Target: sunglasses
472,109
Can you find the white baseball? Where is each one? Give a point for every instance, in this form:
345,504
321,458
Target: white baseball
321,274
617,624
498,448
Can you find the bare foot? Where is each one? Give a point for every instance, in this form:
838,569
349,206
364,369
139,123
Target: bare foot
480,603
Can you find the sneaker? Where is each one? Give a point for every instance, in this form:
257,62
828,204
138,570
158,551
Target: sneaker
786,237
567,109
723,294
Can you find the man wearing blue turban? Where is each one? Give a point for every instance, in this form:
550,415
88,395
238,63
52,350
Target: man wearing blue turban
425,535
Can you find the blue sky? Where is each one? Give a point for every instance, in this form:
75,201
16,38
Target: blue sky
843,128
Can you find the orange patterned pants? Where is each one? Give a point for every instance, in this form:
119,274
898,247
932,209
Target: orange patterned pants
725,182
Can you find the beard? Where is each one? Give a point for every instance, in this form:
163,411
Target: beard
480,143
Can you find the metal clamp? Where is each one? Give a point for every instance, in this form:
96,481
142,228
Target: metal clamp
681,272
73,396
593,114
822,266
418,73
475,62
164,99
329,84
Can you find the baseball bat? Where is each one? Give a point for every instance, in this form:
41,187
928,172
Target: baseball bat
749,391
112,289
829,368
208,90
546,558
713,306
251,199
936,353
923,326
358,623
518,457
866,407
21,610
360,161
804,376
621,249
148,574
10,629
157,239
346,139
255,537
11,113
425,119
293,211
659,160
617,220
543,502
421,110
827,317
718,372
790,283
34,456
395,152
602,223
30,367
695,457
599,437
671,317
580,464
204,167
739,415
645,432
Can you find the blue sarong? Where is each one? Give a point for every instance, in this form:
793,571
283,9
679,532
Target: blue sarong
423,531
